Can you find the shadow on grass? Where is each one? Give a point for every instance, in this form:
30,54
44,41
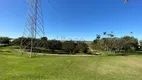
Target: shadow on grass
134,53
48,51
6,53
125,53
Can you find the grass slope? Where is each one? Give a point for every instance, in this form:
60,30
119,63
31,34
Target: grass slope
13,67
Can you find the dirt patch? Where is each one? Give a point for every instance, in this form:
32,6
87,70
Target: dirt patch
60,54
135,62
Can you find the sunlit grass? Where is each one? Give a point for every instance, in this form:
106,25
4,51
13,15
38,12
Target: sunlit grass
14,67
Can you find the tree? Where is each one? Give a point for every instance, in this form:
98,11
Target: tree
54,45
69,46
44,38
140,44
98,37
24,42
81,46
111,35
4,40
130,43
114,44
17,41
97,44
105,33
43,42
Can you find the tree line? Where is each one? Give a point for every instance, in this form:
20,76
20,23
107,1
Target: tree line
5,40
114,44
70,47
106,42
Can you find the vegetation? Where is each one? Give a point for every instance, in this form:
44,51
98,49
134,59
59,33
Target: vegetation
113,44
70,47
13,67
4,40
140,45
126,67
54,45
108,42
81,46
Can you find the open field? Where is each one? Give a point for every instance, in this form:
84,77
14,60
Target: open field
13,67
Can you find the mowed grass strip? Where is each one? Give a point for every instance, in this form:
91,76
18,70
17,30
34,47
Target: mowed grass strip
13,67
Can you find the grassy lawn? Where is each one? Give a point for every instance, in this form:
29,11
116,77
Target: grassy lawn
13,67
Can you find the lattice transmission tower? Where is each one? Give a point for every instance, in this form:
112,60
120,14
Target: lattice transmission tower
34,26
125,1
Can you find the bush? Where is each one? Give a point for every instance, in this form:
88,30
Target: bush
115,44
82,46
54,45
69,46
4,40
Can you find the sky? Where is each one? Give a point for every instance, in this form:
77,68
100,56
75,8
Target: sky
75,19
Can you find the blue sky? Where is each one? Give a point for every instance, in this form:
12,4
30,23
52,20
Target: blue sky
75,19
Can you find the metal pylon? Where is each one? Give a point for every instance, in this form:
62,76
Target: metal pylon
34,26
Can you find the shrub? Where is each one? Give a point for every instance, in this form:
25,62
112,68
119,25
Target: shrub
82,46
54,45
4,40
69,46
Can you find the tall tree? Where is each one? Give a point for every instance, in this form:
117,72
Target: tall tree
69,46
54,45
81,46
44,38
4,40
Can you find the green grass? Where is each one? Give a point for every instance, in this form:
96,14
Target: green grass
14,67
